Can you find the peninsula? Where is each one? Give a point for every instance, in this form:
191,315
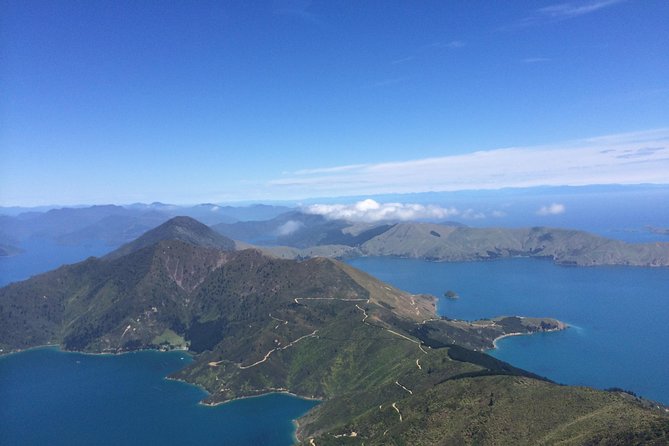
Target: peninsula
316,236
379,358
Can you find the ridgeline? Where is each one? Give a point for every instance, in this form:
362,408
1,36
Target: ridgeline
385,366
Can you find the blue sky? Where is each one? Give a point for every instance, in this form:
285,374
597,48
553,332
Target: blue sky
186,102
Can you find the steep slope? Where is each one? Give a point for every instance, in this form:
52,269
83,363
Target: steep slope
90,305
378,357
185,229
491,410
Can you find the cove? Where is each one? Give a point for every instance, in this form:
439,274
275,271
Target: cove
48,396
619,316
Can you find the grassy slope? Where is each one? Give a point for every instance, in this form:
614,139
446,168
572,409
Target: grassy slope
326,329
500,410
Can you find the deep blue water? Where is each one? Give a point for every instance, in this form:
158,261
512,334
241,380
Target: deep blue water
49,397
619,315
619,334
42,255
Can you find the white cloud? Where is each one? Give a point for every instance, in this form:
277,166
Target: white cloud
289,227
453,44
568,10
552,209
562,11
371,211
472,214
612,159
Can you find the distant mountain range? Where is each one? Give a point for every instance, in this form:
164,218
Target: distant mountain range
313,235
9,250
385,366
293,234
115,225
566,247
301,230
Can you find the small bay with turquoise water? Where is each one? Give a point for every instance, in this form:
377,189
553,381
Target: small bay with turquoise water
618,316
50,397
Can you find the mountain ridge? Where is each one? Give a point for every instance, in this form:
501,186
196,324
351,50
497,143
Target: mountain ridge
181,228
316,328
451,243
563,246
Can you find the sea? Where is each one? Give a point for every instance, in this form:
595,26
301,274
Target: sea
618,316
50,397
619,328
40,255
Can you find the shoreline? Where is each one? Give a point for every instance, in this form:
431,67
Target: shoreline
549,258
508,335
260,395
59,348
110,353
528,333
295,422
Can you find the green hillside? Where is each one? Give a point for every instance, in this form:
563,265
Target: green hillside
570,247
320,329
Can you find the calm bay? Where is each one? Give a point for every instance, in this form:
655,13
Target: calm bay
618,316
58,398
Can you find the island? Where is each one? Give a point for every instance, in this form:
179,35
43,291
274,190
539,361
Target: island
317,236
450,294
380,360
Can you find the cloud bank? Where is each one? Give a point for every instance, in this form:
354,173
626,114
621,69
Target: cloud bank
632,158
370,211
553,209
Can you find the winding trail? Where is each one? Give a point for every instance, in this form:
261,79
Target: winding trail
353,434
269,353
125,331
297,299
364,321
363,312
279,320
402,336
398,411
410,392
